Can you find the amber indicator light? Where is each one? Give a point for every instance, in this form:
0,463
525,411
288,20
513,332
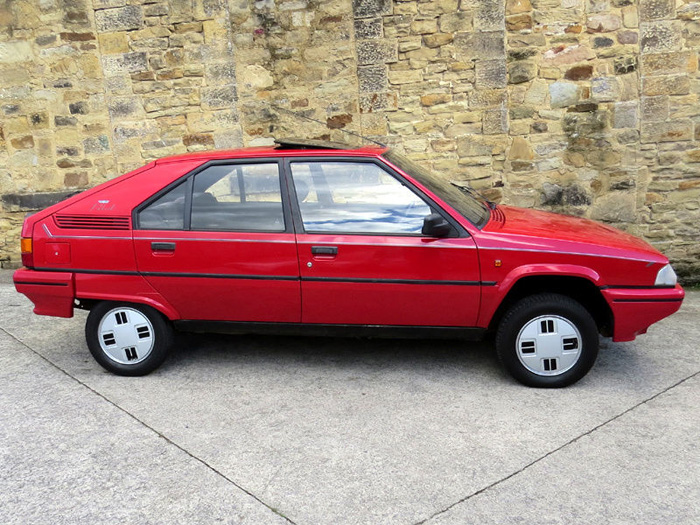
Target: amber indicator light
26,245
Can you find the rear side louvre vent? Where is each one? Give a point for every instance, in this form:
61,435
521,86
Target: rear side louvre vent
92,222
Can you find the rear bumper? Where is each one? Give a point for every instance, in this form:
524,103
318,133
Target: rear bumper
636,309
52,293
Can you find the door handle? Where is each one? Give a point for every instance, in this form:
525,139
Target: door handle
163,246
324,250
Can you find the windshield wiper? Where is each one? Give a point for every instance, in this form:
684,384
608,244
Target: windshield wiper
468,189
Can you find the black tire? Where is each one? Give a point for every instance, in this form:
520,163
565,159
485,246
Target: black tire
547,315
128,339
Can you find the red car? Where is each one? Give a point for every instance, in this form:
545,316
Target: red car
313,238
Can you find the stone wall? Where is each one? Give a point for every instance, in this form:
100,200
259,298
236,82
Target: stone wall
587,107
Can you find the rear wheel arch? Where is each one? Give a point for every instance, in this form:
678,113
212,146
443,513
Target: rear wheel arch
580,289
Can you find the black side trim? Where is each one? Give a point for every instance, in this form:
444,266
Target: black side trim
647,300
222,276
325,330
79,270
634,287
41,284
270,277
394,281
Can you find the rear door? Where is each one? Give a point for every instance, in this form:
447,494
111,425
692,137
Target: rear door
219,244
363,259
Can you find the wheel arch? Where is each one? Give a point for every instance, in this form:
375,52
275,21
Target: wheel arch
162,307
579,288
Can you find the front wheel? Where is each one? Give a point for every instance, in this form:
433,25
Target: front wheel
128,339
547,340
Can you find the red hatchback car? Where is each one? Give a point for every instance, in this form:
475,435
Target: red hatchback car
314,238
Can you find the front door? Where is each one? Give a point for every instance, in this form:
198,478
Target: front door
219,245
363,259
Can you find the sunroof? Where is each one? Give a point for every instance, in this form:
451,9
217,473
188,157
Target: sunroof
292,143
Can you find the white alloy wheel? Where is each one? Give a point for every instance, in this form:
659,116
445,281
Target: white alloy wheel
126,335
549,345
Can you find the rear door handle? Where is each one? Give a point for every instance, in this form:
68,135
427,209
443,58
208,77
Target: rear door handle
324,250
163,246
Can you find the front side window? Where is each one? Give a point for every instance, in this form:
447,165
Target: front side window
355,197
238,197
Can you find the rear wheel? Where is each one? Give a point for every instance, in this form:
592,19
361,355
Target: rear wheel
547,340
128,339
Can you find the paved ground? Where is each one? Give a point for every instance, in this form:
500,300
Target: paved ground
323,431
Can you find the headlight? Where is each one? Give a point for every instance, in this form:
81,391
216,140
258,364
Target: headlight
666,277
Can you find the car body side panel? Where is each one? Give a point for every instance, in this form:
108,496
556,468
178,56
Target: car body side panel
224,276
382,280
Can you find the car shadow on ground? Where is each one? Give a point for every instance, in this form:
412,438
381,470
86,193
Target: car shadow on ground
333,352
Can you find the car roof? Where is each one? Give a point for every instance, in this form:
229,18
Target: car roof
283,147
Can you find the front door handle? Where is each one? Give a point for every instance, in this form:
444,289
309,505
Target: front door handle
163,246
324,250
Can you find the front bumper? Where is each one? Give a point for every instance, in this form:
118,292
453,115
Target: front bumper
52,293
636,309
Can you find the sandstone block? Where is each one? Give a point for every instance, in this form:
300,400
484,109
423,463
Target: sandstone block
370,8
99,144
410,44
514,7
628,37
457,21
435,98
481,46
519,22
520,149
438,39
111,43
655,108
491,74
667,131
564,55
519,72
603,23
376,52
124,63
689,11
405,77
666,85
669,63
579,73
372,79
625,114
75,179
366,28
421,27
218,97
563,94
495,121
615,207
489,15
605,89
15,52
119,19
660,36
630,16
656,9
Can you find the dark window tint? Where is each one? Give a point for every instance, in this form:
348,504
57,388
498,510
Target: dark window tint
354,197
238,197
165,213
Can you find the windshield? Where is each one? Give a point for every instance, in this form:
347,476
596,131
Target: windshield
473,208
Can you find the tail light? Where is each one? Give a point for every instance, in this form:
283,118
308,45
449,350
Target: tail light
27,252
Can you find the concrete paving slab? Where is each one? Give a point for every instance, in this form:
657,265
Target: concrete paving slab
357,431
68,455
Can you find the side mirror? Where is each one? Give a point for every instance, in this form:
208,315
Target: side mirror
435,225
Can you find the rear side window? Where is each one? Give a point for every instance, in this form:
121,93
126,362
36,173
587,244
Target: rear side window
240,197
166,212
